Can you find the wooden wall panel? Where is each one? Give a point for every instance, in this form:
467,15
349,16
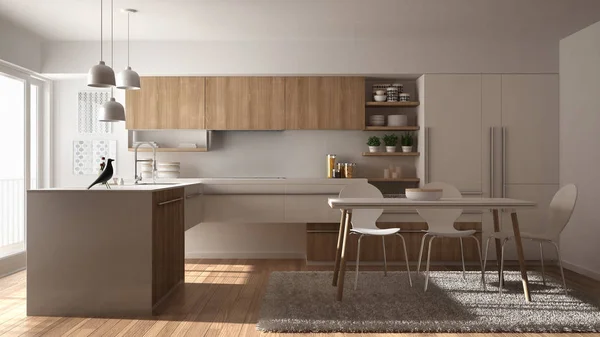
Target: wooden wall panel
322,238
167,242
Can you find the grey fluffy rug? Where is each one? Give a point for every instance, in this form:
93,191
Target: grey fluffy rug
305,302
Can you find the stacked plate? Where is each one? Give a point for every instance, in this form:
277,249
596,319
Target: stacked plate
168,169
147,170
377,120
397,120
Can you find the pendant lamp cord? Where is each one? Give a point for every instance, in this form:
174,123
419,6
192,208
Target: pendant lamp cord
128,13
112,42
101,42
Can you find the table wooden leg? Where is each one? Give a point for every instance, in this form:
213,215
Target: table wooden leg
519,244
338,252
498,242
340,283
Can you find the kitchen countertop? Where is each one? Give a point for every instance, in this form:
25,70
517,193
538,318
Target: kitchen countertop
177,183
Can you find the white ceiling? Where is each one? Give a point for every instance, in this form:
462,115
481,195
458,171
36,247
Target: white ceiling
192,20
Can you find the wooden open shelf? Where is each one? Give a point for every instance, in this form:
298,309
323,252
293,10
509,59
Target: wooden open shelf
384,154
170,149
391,128
393,104
400,180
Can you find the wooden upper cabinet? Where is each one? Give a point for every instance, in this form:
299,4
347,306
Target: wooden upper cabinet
325,103
245,103
166,103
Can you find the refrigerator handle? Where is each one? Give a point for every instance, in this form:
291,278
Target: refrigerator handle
491,161
503,162
426,148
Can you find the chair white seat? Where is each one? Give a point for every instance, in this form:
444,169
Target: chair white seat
380,232
452,233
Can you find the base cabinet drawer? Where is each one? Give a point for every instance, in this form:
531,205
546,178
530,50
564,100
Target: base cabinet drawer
321,243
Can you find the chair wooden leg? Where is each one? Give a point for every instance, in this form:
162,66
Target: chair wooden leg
340,281
406,258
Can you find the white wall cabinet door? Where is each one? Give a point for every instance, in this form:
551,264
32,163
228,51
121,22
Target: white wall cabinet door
530,121
453,120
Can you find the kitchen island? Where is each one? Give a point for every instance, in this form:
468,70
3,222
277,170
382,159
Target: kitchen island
103,252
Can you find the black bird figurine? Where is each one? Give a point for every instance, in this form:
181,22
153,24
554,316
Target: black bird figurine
105,176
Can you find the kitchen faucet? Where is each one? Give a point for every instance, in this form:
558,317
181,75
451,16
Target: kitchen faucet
136,160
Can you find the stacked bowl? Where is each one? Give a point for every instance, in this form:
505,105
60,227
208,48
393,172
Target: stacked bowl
377,120
397,120
168,169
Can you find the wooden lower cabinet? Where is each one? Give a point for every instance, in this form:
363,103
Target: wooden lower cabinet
322,239
167,242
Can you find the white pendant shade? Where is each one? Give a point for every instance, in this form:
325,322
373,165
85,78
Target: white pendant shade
101,76
128,79
112,111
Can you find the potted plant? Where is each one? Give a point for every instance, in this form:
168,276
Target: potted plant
407,142
390,142
373,143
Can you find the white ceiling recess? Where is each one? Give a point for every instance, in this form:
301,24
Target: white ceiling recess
210,20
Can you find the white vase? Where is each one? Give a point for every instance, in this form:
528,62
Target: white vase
390,149
373,148
407,149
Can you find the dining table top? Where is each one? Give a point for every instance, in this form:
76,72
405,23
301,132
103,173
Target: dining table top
443,203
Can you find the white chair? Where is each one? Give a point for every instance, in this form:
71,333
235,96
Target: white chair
364,223
559,214
440,223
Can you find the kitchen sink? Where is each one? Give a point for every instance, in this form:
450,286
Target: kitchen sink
157,184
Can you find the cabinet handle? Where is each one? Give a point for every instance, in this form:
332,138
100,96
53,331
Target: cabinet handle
492,161
427,132
503,162
169,201
194,195
471,192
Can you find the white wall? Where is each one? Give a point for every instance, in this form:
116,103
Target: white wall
579,141
20,47
411,55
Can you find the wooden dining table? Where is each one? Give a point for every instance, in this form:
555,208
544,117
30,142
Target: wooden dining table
346,205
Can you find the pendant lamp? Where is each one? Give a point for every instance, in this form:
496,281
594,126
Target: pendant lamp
128,79
112,111
101,75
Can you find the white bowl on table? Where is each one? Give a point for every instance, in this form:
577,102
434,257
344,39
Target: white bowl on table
424,194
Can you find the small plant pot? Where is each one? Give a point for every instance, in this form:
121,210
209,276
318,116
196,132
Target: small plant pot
407,149
373,148
390,149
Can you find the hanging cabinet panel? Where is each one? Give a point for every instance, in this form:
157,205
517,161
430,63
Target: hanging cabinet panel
325,103
167,103
245,103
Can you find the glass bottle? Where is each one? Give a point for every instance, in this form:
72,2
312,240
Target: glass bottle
330,165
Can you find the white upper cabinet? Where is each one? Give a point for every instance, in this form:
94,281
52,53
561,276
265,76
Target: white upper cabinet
453,121
530,121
